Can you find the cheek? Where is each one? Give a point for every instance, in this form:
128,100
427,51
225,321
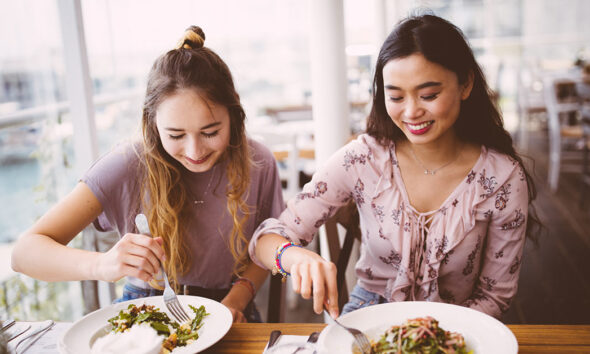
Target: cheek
447,107
393,110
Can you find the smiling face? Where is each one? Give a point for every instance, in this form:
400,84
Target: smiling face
194,130
423,98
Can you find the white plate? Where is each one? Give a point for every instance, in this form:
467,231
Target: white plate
79,338
483,334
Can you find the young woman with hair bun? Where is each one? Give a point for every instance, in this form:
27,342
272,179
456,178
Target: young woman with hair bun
203,185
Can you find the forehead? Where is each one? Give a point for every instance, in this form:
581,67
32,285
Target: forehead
188,105
413,70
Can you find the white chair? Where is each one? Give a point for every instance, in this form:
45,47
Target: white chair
583,90
530,101
97,294
285,151
563,107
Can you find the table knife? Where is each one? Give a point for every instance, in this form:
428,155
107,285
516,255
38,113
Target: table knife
274,335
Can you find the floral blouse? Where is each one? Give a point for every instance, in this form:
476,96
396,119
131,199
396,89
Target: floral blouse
467,252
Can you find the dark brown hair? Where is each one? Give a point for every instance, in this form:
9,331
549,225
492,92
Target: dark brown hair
479,121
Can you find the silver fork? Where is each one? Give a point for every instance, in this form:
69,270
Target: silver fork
360,339
170,298
38,332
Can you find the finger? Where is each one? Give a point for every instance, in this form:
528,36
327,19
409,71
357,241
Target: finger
142,250
141,263
296,278
332,288
153,244
142,258
131,271
318,288
305,281
240,318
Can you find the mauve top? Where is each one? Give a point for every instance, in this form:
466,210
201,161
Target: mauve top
467,252
114,179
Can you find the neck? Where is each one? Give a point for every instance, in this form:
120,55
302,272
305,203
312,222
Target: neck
437,152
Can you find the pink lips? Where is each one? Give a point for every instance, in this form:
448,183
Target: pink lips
419,131
197,162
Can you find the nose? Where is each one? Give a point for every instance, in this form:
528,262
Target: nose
412,109
193,148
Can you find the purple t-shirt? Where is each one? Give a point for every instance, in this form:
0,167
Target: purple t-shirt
114,179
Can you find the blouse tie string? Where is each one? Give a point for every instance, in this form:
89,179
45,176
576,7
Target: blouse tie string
422,223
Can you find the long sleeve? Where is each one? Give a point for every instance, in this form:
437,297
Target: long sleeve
503,247
331,187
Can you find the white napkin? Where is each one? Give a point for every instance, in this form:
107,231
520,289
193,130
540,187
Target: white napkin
286,339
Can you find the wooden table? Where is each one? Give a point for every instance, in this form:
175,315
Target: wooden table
252,338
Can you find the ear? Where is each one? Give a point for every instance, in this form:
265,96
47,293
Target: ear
467,86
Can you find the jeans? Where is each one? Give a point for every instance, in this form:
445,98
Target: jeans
360,298
132,292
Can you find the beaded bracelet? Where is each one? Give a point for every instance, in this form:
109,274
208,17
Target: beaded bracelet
279,253
247,283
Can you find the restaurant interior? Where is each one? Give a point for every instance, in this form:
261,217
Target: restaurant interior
72,81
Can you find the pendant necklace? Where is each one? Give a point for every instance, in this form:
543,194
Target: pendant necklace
202,200
434,171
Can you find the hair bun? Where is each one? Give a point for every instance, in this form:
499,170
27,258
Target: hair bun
193,38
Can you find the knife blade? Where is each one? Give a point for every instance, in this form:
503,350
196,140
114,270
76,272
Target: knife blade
274,336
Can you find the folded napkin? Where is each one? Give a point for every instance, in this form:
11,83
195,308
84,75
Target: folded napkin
287,344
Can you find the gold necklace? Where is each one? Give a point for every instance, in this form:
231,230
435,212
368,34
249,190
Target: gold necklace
434,171
202,200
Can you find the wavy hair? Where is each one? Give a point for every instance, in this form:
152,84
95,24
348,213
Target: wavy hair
479,122
192,66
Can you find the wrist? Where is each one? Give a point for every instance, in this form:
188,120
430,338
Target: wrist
247,284
278,261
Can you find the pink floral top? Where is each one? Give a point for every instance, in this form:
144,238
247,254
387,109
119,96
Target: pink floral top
470,254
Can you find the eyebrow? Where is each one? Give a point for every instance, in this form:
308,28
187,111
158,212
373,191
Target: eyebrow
421,86
214,124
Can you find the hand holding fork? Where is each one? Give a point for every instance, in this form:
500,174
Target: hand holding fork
170,298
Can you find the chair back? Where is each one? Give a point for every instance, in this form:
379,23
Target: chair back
348,217
563,106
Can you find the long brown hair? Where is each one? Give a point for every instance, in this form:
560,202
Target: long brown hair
479,122
192,66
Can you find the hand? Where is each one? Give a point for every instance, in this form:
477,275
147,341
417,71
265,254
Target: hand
313,276
134,255
237,314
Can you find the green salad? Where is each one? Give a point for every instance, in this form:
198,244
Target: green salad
420,335
174,334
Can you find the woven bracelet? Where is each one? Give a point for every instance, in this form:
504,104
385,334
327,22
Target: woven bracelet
279,253
247,283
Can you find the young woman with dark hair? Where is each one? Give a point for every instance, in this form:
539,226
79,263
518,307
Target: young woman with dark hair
441,193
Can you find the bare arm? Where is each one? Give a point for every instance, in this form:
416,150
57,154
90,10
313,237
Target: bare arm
239,295
42,252
311,275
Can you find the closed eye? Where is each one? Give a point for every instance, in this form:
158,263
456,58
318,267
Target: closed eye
176,137
210,135
430,97
396,99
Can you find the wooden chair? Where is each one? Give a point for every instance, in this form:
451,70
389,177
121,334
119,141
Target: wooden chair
276,300
348,218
